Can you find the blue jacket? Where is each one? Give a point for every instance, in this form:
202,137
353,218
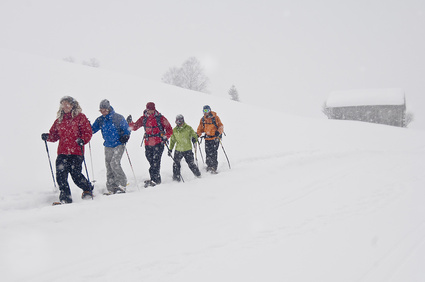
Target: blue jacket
113,126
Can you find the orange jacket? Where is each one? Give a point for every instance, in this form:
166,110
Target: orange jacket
207,125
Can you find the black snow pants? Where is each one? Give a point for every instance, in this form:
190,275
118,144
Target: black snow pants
211,151
70,164
190,160
153,155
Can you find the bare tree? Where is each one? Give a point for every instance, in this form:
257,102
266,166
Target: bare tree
173,77
234,95
69,59
190,76
93,62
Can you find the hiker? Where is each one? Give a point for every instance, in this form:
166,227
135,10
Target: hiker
183,137
157,132
73,130
212,128
115,132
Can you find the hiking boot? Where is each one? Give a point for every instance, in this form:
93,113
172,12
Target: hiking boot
213,170
65,198
119,190
87,195
149,183
176,178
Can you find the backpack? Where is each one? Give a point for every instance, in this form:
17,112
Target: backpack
213,122
159,125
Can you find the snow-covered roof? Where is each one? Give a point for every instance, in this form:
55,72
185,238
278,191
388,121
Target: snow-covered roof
365,97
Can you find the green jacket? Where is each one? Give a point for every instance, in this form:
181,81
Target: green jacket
182,138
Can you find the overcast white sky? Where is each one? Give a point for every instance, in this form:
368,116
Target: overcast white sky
277,53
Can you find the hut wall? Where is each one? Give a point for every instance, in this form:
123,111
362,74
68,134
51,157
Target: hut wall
389,115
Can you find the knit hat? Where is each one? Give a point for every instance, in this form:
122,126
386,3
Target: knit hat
104,104
206,109
68,99
179,119
150,106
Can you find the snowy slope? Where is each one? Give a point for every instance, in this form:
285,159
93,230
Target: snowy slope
305,200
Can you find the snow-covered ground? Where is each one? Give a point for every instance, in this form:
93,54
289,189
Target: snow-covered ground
305,199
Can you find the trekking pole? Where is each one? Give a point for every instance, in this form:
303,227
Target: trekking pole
91,162
196,154
224,152
85,165
51,168
200,150
181,177
143,139
128,156
87,172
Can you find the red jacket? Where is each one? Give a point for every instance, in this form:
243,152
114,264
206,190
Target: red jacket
152,131
68,131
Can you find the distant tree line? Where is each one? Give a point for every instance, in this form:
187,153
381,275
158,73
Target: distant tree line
191,75
92,62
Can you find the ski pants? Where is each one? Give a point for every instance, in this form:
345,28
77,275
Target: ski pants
70,164
211,151
115,175
153,155
190,160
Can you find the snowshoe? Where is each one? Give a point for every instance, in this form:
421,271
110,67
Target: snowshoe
62,202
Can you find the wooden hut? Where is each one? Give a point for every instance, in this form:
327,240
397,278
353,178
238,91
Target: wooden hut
383,106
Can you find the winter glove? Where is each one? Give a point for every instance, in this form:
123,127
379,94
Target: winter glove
129,119
80,141
170,152
164,139
193,140
44,136
124,139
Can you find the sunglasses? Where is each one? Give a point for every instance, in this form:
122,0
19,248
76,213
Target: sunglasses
206,111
